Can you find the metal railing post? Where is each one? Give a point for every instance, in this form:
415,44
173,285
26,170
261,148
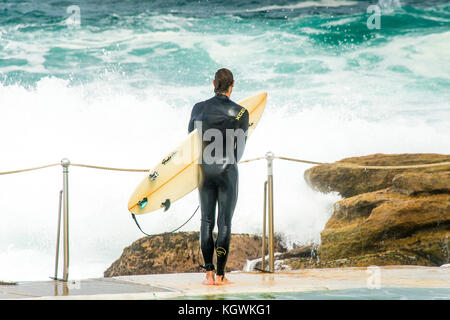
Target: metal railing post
264,244
58,233
269,158
65,164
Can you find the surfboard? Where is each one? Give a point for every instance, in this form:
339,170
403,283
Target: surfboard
177,174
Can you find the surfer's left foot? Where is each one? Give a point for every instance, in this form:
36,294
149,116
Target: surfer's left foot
209,278
221,280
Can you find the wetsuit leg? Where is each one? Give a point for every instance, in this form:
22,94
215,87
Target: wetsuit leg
208,198
226,198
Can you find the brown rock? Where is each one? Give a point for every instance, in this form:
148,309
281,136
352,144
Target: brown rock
378,259
386,221
179,252
421,183
305,251
388,216
352,181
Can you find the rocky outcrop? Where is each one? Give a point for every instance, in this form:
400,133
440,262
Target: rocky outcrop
395,216
352,181
386,221
180,252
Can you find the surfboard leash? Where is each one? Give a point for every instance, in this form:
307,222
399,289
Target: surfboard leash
158,234
201,266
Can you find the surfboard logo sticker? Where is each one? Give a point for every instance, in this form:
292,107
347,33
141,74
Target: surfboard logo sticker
241,113
165,160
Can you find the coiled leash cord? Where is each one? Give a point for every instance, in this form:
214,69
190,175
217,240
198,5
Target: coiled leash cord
158,234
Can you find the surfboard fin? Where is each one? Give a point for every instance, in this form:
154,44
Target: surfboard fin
143,203
153,175
166,205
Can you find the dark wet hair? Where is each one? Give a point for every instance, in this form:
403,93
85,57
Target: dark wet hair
223,80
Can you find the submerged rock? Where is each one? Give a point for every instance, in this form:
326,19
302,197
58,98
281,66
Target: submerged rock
306,255
180,252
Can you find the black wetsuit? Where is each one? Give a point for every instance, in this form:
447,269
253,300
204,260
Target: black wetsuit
219,179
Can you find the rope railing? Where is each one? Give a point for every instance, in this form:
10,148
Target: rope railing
357,166
268,195
427,165
342,165
29,169
352,165
108,168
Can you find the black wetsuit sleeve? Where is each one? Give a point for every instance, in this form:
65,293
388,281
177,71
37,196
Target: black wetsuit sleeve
195,111
243,123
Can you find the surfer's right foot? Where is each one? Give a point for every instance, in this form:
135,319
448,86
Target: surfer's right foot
210,278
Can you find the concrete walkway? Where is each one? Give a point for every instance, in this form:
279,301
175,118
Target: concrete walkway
167,286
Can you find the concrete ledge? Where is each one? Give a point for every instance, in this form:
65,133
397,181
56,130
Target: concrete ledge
179,285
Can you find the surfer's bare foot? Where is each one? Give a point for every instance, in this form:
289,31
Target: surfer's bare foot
209,278
221,280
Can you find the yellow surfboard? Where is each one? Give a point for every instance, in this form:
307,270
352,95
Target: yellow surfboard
178,174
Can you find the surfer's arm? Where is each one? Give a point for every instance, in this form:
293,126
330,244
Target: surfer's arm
243,123
194,112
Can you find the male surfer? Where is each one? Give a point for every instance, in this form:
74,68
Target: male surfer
223,126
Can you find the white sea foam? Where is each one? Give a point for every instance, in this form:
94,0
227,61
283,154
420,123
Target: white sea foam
420,54
118,129
305,4
340,22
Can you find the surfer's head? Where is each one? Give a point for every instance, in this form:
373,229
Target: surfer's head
223,82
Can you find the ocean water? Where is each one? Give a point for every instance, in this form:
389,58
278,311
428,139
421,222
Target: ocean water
113,82
394,293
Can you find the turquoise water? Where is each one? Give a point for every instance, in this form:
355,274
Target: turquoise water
113,83
327,53
349,294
